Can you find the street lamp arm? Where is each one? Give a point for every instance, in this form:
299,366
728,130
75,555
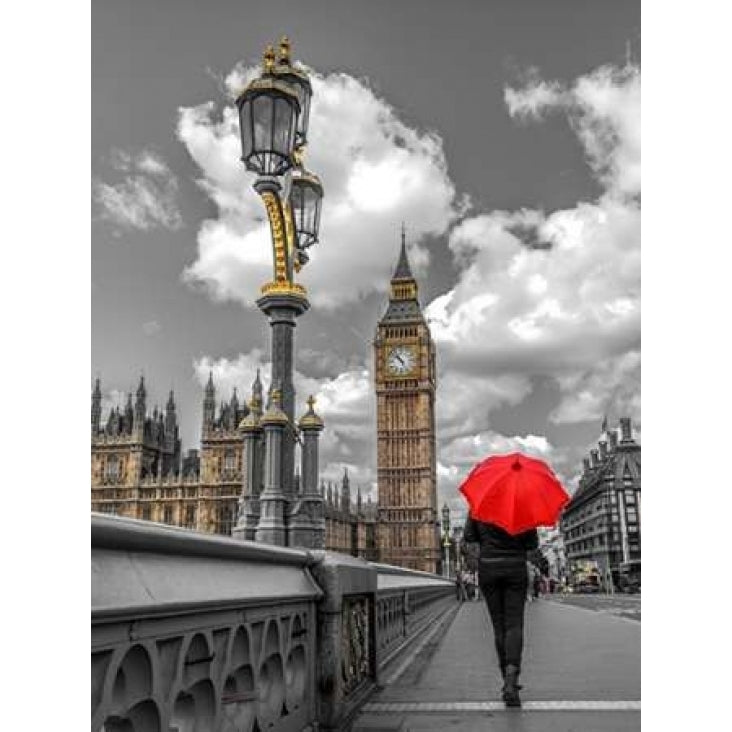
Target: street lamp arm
280,222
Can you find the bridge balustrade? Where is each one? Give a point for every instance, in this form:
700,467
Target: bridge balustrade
193,631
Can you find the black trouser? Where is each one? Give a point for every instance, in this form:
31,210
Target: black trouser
504,583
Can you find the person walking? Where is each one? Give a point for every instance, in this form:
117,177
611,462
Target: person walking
509,497
503,581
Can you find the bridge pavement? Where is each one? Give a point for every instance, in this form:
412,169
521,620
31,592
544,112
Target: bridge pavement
581,672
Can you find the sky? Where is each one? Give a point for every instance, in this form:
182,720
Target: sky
504,134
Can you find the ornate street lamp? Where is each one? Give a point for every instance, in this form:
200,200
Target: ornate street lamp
446,537
274,112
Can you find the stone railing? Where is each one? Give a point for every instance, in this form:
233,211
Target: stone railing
408,602
198,632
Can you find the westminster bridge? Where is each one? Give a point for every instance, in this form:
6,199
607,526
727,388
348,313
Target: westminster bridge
194,632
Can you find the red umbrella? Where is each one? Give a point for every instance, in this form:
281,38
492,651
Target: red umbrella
514,492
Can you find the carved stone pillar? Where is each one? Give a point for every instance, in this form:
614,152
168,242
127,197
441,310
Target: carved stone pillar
249,508
271,527
307,523
346,667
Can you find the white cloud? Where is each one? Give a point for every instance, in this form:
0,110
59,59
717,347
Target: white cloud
535,97
145,199
376,172
604,109
613,383
558,293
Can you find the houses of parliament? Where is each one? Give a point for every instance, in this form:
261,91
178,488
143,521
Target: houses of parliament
138,468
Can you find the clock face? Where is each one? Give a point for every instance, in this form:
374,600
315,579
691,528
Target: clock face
401,361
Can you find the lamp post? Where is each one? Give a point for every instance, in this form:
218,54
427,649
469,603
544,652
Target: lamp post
446,537
274,112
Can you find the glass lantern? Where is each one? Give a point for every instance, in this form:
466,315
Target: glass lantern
268,115
306,195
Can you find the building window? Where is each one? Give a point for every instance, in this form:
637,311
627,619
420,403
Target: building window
112,470
225,519
229,461
630,498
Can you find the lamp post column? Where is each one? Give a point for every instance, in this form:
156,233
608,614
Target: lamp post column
307,527
271,527
248,518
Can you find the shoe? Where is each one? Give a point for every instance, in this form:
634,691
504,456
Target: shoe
503,676
511,687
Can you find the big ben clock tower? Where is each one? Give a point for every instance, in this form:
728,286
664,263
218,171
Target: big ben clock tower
404,354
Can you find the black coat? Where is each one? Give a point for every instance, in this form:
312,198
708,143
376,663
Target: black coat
496,543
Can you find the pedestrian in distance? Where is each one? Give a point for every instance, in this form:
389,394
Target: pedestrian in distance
462,595
504,583
537,584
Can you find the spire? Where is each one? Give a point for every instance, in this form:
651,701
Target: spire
345,492
257,385
209,402
403,270
140,409
170,419
96,409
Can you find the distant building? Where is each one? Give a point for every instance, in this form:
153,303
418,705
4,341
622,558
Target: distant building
551,545
137,470
350,527
602,522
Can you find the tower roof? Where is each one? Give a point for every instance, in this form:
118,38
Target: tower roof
403,300
403,271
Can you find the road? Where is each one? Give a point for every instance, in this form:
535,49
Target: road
624,606
581,672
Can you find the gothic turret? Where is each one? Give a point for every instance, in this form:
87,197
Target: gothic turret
345,492
96,409
129,418
171,424
140,408
234,406
209,402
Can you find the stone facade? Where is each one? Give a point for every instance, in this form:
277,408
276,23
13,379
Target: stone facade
405,380
350,527
602,523
140,473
